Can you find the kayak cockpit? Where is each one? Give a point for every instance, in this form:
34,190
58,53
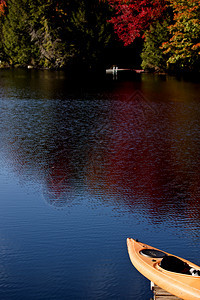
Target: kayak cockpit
169,262
174,264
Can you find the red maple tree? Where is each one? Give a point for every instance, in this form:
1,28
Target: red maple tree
133,17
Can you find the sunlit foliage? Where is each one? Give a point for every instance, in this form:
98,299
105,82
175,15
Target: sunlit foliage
183,47
133,17
153,58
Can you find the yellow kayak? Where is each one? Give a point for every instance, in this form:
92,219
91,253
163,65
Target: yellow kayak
173,274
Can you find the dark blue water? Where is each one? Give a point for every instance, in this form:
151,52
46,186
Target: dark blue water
83,166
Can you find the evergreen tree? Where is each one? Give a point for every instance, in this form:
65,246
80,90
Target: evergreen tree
2,54
55,34
152,55
89,33
16,39
45,32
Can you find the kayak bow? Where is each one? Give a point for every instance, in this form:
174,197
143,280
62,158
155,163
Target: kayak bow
147,260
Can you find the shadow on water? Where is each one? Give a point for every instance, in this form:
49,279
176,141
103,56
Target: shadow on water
132,144
47,84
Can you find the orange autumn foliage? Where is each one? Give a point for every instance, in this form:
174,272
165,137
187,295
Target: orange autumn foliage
3,4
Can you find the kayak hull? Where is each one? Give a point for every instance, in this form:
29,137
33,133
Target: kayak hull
184,286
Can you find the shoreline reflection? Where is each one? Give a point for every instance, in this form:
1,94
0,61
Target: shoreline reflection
139,153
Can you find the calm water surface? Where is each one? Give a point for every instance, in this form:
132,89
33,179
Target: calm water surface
84,166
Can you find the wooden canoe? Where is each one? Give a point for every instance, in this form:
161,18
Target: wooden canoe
184,286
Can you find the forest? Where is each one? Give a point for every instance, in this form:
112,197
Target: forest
155,35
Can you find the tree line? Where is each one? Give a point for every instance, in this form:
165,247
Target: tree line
54,34
170,30
68,33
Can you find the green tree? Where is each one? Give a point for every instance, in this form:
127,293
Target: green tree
55,34
46,33
16,39
2,54
89,33
152,55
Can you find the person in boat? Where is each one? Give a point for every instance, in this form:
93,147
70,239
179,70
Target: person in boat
174,264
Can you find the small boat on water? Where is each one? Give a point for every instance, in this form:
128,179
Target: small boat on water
173,274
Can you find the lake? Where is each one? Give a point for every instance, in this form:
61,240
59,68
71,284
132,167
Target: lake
85,164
